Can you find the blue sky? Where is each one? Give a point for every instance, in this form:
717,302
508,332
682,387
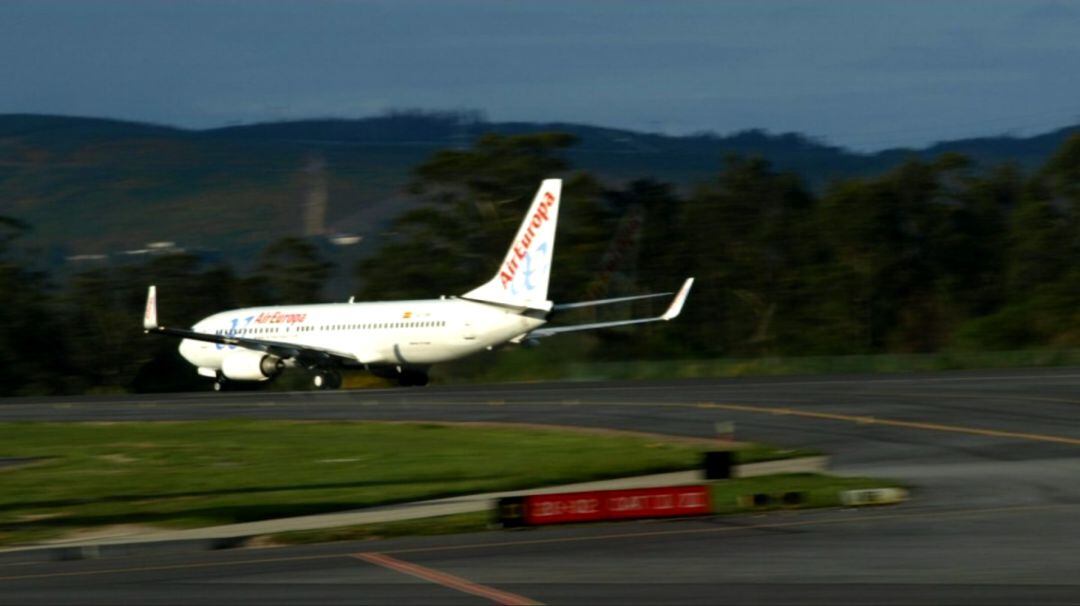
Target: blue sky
865,74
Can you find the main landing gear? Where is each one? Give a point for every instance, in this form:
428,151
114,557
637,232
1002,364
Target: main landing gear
412,378
326,379
323,379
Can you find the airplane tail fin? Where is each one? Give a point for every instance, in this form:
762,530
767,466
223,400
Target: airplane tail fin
522,279
150,315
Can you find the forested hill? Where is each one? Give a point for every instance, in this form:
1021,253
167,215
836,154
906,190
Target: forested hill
897,254
93,186
26,138
815,161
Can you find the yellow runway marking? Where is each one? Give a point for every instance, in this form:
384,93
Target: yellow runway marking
826,416
965,396
861,420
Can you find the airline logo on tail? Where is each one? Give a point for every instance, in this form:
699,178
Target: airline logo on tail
522,254
523,276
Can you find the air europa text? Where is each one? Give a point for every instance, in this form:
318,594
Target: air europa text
277,317
521,247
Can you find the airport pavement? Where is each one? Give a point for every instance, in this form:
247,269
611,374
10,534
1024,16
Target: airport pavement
991,457
883,556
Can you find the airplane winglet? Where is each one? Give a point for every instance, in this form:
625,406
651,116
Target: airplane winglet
150,317
676,306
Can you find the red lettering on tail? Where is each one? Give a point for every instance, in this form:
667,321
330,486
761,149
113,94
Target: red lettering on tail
521,247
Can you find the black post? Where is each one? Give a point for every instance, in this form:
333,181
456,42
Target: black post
511,512
718,464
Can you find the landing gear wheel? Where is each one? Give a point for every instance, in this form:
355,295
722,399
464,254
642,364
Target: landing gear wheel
324,380
219,385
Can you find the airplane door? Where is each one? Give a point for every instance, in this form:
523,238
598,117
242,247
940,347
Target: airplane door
468,332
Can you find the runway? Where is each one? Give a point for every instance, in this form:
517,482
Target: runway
992,459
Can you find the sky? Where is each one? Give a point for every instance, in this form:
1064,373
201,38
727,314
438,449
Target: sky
863,74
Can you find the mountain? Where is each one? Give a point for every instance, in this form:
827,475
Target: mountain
93,187
629,154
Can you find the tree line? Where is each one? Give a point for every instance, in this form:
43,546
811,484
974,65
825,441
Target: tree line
930,256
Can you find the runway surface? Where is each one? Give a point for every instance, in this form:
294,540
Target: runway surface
992,458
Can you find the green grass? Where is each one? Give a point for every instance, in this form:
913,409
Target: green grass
819,490
193,474
457,523
728,498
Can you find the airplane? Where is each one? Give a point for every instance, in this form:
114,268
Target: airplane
396,339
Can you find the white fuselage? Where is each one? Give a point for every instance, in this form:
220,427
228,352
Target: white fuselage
396,339
401,333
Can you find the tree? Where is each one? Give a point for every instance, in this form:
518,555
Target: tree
1041,279
33,352
291,271
892,244
474,201
746,238
103,311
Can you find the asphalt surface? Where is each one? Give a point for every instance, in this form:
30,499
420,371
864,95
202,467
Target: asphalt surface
992,460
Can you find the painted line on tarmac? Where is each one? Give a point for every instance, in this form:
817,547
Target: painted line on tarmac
826,416
771,410
445,579
964,396
866,420
808,414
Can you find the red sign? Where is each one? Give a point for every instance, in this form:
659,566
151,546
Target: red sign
617,504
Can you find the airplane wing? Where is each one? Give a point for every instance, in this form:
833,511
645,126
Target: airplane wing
562,306
672,312
305,353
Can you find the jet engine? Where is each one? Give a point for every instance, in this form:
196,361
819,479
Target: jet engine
247,365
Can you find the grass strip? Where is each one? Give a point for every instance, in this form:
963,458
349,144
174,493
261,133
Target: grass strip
458,523
93,476
816,490
729,497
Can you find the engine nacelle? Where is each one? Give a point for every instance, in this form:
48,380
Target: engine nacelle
247,365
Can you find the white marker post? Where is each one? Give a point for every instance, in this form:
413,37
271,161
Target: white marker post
725,431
